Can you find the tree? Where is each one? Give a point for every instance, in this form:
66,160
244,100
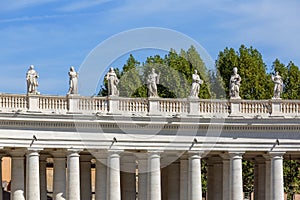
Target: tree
131,84
291,79
256,83
248,177
291,175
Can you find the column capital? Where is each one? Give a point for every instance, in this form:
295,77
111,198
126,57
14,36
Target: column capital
33,149
236,154
276,154
195,153
73,151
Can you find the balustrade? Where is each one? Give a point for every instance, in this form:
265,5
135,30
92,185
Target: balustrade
157,106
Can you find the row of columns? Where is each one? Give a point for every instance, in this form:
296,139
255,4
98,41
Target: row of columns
225,180
183,180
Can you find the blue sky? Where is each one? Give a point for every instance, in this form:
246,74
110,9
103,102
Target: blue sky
55,34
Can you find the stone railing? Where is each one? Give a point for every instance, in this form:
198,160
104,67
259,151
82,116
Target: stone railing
76,104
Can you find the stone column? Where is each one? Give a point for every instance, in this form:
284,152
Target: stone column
142,176
268,178
154,175
184,177
236,175
59,174
114,182
17,175
128,177
215,178
43,176
173,181
101,176
226,177
277,175
73,174
1,193
33,176
259,178
85,177
195,185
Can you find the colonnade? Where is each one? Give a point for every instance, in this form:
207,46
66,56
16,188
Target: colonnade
141,176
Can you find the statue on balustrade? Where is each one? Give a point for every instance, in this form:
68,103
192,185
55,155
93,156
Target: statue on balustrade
153,79
234,85
73,81
278,87
195,85
32,82
112,82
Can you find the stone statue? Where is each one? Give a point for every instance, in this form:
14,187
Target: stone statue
31,79
234,85
153,79
278,87
196,85
112,82
73,82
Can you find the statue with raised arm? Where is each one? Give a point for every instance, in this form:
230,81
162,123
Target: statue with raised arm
153,79
73,81
31,79
234,85
112,82
195,85
278,85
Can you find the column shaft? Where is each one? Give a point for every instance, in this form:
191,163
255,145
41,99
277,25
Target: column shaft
195,190
17,177
184,174
114,185
73,187
154,176
43,177
236,176
1,193
173,181
85,177
33,177
142,177
59,177
277,176
101,179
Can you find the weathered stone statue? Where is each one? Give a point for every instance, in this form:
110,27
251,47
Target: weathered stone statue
31,79
195,85
112,82
234,85
278,87
153,79
73,81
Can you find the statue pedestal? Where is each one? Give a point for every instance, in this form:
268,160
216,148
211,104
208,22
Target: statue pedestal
113,105
33,103
235,107
153,106
73,103
194,106
276,107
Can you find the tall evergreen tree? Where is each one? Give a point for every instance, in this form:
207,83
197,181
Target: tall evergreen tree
256,83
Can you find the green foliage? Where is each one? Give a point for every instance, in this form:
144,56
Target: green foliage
204,176
248,176
176,75
256,83
291,175
291,79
